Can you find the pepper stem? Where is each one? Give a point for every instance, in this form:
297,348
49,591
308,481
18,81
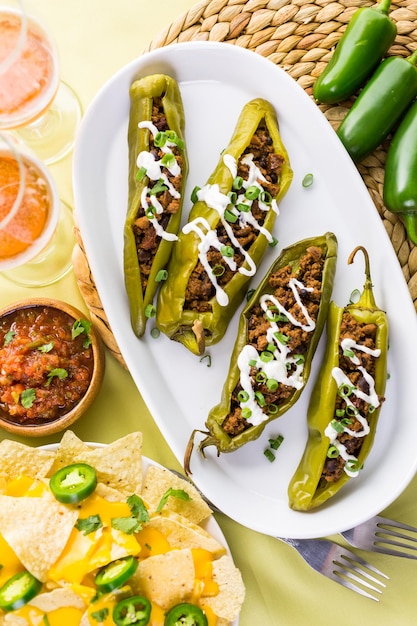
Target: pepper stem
412,58
410,223
367,297
384,6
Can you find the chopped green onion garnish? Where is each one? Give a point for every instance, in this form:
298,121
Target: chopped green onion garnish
281,337
371,408
194,194
345,390
227,251
353,465
150,310
160,139
237,183
155,332
246,413
272,384
272,409
243,396
273,242
230,217
266,356
260,398
299,359
161,275
340,412
265,197
140,174
243,208
308,180
252,192
337,426
218,270
275,443
269,455
159,187
252,363
232,195
332,452
168,160
260,377
271,347
348,353
351,410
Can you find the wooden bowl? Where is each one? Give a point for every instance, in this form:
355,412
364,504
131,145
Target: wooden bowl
60,394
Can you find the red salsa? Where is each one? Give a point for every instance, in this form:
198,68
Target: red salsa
46,364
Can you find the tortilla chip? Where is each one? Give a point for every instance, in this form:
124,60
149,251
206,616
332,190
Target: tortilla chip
36,529
186,535
228,602
69,448
56,599
165,579
159,480
119,464
17,459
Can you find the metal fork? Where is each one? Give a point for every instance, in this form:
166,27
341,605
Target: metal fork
340,565
328,558
378,534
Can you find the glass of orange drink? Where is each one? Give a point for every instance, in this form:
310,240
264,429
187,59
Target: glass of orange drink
43,110
36,240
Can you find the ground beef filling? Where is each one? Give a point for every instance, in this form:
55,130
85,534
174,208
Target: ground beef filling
147,241
200,289
309,272
364,334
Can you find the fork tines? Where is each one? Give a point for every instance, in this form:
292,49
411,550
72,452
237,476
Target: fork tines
354,573
387,536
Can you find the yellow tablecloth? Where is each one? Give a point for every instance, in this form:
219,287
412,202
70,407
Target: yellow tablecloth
95,39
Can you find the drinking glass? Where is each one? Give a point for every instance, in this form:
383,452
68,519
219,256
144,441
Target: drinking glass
40,108
36,227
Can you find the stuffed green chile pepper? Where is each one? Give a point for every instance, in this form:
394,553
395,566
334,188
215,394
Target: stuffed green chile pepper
276,339
346,399
228,230
158,170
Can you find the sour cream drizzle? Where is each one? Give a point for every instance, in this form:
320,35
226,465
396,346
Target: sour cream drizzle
280,368
215,199
154,172
370,398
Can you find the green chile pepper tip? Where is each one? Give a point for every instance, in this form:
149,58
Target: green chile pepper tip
400,183
216,435
307,489
365,41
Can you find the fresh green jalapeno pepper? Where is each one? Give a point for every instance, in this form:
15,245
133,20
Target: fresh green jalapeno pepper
73,483
346,400
365,41
158,170
135,610
379,106
211,252
400,183
18,591
276,339
185,614
116,573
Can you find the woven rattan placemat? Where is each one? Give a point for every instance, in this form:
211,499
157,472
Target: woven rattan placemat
299,36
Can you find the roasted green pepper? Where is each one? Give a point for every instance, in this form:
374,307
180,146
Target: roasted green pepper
229,229
400,183
379,106
158,170
276,339
346,399
365,41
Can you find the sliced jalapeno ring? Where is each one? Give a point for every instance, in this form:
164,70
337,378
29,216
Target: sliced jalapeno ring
18,591
185,613
73,483
116,573
134,610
